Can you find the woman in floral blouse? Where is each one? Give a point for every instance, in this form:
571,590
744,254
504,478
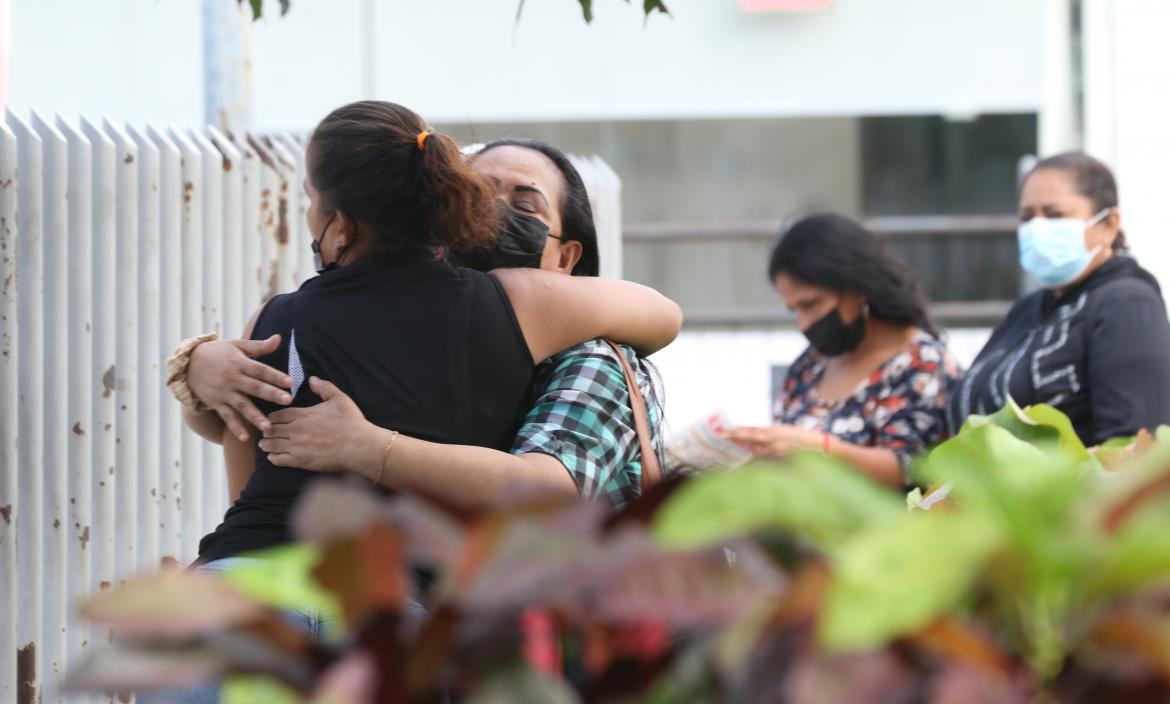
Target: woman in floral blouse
872,386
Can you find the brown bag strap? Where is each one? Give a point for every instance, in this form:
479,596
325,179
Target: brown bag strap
651,470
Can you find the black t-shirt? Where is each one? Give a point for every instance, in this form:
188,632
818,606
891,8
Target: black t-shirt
1100,353
432,351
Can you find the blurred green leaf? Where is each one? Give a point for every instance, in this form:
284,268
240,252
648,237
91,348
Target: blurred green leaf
898,577
257,7
810,495
1139,555
283,578
648,7
251,689
992,469
1120,442
1038,425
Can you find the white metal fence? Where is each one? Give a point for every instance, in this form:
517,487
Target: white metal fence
116,242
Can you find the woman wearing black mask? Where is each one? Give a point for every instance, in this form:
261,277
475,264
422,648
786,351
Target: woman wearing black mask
579,434
871,387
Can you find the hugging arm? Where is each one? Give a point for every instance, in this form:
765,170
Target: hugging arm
334,435
224,375
557,311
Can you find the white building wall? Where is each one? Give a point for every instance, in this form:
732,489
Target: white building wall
131,59
468,60
710,370
1127,116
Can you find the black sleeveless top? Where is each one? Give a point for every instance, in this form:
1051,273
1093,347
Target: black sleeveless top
432,351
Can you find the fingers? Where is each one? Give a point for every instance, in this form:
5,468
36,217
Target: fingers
281,460
267,392
258,348
747,434
288,459
287,415
267,374
234,423
273,445
325,389
244,406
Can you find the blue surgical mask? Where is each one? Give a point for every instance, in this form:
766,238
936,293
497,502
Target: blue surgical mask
1053,249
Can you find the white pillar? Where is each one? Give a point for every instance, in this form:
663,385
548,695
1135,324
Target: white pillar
1127,110
1058,112
5,42
227,64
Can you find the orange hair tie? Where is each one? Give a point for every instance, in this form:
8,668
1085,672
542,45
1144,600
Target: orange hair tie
422,140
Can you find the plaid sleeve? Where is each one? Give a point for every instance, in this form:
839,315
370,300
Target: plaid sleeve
582,417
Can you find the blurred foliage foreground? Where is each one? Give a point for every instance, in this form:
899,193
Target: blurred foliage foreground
1036,571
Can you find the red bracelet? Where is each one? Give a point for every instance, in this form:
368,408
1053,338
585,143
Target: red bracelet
827,439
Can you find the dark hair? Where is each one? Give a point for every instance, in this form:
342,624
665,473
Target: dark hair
365,161
1092,179
576,214
834,252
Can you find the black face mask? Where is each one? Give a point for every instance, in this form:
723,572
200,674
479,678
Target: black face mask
520,242
831,336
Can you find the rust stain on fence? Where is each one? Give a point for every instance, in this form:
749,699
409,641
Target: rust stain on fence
26,675
274,270
108,382
128,159
282,218
78,430
6,514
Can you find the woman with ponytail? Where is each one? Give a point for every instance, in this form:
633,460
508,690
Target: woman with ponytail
436,352
871,388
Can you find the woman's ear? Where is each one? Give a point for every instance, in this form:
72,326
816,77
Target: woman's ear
345,230
852,307
570,254
1113,223
1105,233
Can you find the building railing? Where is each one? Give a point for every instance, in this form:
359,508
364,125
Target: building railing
959,313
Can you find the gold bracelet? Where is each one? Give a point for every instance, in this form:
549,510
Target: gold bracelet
385,454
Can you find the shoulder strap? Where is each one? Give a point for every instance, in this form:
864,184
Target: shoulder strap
651,470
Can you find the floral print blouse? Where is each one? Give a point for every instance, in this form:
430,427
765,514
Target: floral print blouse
901,406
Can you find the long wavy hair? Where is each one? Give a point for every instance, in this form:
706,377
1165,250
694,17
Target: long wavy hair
837,253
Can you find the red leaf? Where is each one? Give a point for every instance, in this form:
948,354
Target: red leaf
367,573
1130,503
956,642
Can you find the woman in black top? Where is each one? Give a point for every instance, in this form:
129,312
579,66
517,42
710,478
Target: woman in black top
442,353
1094,342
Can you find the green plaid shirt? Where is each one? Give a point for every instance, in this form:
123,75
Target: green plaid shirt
580,414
